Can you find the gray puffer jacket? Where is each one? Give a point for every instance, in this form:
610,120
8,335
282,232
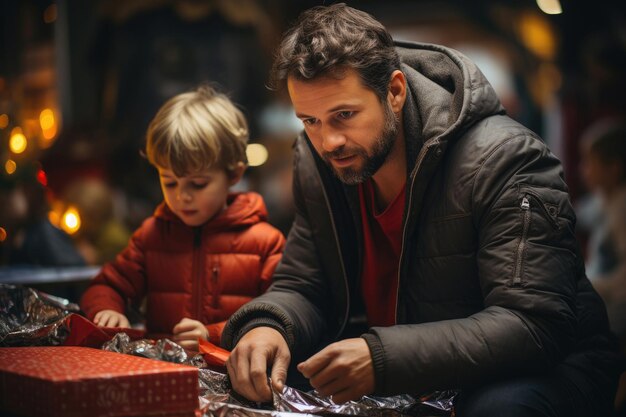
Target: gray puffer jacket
491,280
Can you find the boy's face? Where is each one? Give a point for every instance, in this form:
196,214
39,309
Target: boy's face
346,122
196,198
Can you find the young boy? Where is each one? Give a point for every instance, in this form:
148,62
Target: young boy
205,252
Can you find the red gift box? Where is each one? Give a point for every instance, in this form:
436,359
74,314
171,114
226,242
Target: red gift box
78,381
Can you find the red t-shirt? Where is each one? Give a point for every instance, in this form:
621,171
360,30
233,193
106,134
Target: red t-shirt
382,236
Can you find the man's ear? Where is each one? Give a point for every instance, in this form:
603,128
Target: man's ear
397,91
234,175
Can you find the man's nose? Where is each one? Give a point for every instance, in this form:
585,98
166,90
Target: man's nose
332,139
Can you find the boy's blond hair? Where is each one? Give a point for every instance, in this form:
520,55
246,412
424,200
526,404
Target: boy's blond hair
195,131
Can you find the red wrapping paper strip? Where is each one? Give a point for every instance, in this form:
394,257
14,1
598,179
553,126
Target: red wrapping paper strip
85,333
214,356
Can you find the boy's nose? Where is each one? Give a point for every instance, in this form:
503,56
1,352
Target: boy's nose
183,195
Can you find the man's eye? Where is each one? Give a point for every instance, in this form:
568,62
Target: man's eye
309,122
345,114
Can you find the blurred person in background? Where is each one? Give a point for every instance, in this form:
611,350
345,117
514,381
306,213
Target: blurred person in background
206,251
30,239
427,212
101,235
602,214
603,166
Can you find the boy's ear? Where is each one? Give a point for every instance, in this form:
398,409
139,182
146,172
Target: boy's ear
237,172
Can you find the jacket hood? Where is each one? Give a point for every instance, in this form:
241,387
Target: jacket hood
244,209
448,91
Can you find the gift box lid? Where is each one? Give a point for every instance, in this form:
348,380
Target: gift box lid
80,381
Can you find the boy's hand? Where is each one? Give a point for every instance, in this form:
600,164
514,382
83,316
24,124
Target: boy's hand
110,318
187,332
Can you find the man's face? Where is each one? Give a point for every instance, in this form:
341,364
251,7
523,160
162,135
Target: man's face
347,124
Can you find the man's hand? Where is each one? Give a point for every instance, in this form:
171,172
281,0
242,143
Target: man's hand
342,370
110,318
248,363
187,332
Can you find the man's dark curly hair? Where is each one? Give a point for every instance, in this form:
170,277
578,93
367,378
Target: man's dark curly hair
327,40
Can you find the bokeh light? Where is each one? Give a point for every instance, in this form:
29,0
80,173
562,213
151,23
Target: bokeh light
4,121
550,6
70,222
257,154
42,178
10,166
18,142
50,14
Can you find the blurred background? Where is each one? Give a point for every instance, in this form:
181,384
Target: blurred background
80,80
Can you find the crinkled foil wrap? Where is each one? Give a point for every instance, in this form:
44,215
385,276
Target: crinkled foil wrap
162,349
437,404
217,399
32,318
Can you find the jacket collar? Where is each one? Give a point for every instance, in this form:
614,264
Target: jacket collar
243,209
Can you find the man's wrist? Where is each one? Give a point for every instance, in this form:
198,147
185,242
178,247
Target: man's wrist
259,322
378,356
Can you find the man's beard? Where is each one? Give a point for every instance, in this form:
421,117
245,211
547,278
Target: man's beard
380,152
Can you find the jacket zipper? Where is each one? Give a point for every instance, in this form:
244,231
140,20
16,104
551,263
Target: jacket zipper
341,262
420,158
215,285
197,271
519,259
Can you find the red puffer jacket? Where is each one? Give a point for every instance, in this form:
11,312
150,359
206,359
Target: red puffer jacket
204,273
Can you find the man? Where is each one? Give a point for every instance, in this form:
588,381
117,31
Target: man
446,223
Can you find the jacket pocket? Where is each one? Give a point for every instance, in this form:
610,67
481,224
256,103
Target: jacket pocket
550,211
533,200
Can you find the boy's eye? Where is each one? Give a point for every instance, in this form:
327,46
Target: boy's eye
199,185
169,184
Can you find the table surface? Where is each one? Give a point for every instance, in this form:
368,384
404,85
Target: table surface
29,275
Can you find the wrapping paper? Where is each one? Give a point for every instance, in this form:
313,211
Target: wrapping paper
33,318
217,399
77,381
83,332
29,317
214,356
